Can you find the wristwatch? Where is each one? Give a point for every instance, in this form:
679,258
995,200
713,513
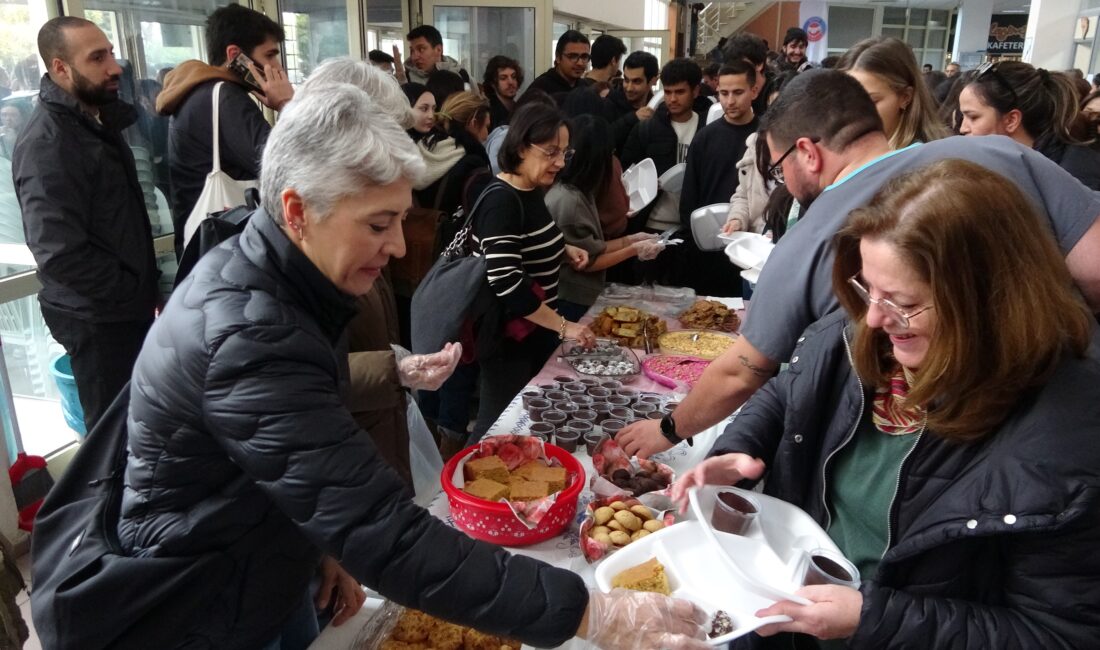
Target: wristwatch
668,430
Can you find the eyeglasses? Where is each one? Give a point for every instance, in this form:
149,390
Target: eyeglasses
899,315
583,57
565,154
990,68
775,171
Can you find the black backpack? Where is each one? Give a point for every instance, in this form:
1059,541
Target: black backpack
215,229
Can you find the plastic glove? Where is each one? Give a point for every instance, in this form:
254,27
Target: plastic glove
428,371
648,249
635,620
641,236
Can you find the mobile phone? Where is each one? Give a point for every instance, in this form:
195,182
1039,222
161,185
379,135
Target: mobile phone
239,65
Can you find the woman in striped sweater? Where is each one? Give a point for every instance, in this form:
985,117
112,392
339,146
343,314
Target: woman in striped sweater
524,251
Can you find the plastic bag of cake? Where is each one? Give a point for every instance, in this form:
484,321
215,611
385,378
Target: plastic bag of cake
395,627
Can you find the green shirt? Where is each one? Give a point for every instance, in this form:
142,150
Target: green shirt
861,487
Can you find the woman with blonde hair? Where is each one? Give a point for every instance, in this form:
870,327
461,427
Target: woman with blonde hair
887,70
941,428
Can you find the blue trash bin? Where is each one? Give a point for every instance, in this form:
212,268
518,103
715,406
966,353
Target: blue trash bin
62,371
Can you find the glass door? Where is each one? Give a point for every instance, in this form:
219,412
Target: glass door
476,30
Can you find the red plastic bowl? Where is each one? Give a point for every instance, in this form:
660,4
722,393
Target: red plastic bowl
495,522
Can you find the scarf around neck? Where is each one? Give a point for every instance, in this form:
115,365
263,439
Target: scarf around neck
890,413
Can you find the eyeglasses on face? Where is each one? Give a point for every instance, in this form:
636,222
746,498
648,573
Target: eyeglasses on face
989,68
900,316
574,57
565,154
775,170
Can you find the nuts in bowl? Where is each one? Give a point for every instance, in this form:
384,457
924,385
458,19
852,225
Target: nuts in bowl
607,359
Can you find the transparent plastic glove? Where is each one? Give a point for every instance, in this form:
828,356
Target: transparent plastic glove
637,620
641,236
428,371
648,249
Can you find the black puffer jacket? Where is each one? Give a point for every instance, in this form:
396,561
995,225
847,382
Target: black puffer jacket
84,210
993,544
240,445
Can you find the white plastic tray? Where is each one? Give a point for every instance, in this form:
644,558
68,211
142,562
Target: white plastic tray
640,182
673,179
747,249
739,574
706,225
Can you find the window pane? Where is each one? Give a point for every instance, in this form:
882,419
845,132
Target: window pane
384,26
315,31
896,32
915,37
150,40
893,15
918,17
850,25
937,17
29,351
474,34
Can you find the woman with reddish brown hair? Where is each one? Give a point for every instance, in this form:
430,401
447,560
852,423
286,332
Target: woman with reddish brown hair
941,427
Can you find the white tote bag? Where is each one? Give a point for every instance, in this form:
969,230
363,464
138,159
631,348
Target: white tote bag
220,191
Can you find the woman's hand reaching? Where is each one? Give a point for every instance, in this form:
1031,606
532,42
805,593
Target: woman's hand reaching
578,257
726,469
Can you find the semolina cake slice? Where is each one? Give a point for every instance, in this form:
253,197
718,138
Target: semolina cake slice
527,470
528,490
555,477
490,467
647,576
487,489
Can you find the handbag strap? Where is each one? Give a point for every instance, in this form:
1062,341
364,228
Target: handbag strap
459,243
216,147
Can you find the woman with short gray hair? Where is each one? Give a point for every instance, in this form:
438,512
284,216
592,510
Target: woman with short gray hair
244,461
382,87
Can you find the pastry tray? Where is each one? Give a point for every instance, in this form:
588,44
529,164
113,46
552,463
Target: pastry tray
738,574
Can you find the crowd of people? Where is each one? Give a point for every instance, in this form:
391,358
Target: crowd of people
934,289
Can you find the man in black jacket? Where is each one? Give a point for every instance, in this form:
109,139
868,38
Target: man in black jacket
188,93
666,137
571,57
628,105
753,49
501,82
711,177
84,212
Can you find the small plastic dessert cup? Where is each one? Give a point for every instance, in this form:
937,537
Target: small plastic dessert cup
621,413
612,427
556,395
582,401
575,388
555,417
536,407
527,394
599,394
592,439
566,438
825,567
642,410
543,430
584,415
734,512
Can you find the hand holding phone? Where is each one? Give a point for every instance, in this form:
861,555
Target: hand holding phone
271,84
246,70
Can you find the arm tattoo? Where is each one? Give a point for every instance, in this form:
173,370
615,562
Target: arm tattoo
756,370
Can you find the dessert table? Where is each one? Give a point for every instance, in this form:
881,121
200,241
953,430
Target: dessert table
562,550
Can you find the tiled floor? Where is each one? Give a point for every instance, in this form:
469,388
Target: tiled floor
24,602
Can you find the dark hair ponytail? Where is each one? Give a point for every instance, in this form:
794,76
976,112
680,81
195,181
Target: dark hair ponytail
1047,101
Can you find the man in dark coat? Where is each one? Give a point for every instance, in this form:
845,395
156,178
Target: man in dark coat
571,57
187,95
84,212
628,105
